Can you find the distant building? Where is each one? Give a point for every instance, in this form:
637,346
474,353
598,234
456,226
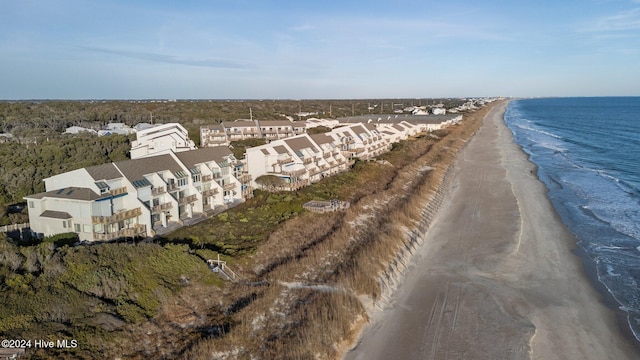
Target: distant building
228,131
116,128
439,111
79,130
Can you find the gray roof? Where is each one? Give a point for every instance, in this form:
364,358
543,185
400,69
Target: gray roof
370,127
136,169
280,149
72,192
395,118
214,127
192,157
358,129
239,123
321,138
299,143
103,172
264,123
56,214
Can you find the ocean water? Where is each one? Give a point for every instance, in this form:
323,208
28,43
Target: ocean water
588,155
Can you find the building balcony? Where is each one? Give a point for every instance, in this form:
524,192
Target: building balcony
359,150
286,160
244,178
217,175
295,172
315,171
207,178
209,192
158,191
326,154
229,186
135,230
156,209
217,140
118,191
307,160
120,216
188,199
172,187
264,131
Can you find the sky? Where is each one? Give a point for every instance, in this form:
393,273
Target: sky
275,49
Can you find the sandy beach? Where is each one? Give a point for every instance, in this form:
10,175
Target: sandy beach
495,277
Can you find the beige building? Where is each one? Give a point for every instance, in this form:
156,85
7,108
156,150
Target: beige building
228,131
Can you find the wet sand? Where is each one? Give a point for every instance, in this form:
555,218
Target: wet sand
495,277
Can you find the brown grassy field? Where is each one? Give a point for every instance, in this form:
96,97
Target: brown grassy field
316,275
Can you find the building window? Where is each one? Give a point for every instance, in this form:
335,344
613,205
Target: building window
31,205
196,178
76,227
183,181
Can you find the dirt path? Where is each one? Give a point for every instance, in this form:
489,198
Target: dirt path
495,277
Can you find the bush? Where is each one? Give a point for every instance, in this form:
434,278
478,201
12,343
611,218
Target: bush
63,239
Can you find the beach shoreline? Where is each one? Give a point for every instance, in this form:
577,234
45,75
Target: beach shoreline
497,275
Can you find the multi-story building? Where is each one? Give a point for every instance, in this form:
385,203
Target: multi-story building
298,160
228,131
138,197
161,139
213,135
362,141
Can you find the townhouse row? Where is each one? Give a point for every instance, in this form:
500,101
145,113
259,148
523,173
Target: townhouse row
304,159
228,131
169,181
140,197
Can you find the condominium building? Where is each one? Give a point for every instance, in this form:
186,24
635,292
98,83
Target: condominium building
228,131
304,159
138,197
161,139
298,160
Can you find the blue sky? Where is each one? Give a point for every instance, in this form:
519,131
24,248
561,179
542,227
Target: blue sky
113,49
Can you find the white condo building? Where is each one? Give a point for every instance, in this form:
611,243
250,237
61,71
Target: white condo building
161,139
137,197
304,159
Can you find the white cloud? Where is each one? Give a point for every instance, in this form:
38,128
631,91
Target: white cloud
623,21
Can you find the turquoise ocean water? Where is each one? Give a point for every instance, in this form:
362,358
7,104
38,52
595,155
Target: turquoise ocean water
588,155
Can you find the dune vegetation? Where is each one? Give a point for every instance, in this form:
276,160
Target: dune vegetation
309,279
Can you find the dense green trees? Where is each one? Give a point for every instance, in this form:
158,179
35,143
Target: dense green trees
24,166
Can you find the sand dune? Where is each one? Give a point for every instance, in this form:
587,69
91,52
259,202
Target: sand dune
495,277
